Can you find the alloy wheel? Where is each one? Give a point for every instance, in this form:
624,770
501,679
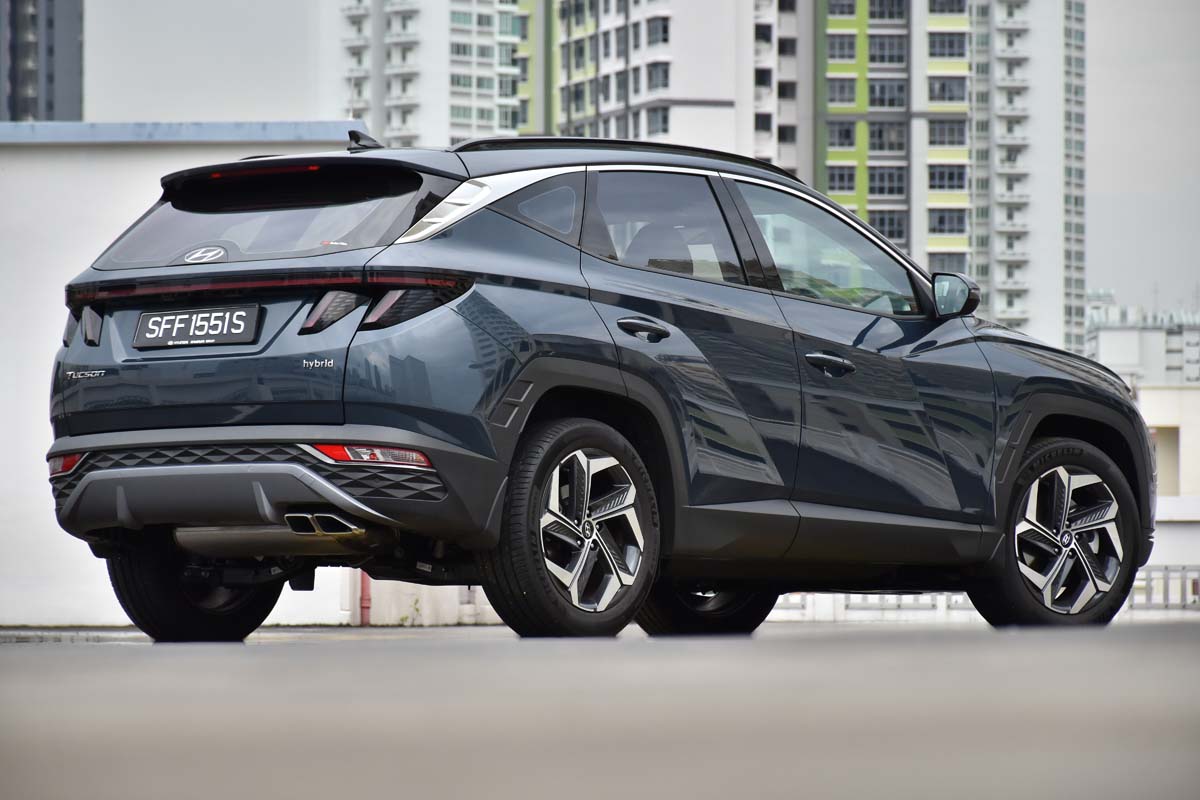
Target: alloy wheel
1068,547
589,529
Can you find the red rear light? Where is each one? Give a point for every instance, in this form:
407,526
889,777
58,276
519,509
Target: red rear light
61,465
256,171
373,454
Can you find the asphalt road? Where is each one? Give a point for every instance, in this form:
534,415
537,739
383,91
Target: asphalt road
800,710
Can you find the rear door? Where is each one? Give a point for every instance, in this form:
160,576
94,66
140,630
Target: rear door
234,299
667,278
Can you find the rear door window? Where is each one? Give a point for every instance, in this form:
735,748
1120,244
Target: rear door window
269,212
659,220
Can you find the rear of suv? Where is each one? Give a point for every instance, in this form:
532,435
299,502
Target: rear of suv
607,382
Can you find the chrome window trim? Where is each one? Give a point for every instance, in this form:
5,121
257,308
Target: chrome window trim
473,194
853,221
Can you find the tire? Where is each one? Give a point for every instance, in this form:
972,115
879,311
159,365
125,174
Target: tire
558,579
671,610
149,584
1105,543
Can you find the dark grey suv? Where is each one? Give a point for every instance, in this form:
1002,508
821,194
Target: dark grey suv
608,381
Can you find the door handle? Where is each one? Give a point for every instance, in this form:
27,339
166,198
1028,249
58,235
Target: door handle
831,365
643,329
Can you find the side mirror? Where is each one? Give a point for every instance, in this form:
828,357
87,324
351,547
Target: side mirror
955,294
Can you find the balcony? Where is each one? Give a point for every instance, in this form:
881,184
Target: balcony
1010,168
356,42
1015,52
356,10
402,5
358,104
1010,226
1012,285
357,72
1016,23
1012,314
1005,139
1011,256
401,130
1011,82
1012,198
403,100
401,37
402,68
1011,110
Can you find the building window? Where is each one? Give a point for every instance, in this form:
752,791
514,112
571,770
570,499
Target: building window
462,19
841,91
947,45
892,224
840,46
947,220
887,49
841,134
786,90
484,20
841,8
762,78
658,120
948,262
762,123
786,134
889,9
947,133
948,177
635,35
460,81
762,33
658,30
888,92
460,50
460,113
485,83
606,43
949,6
658,75
787,5
887,181
947,90
787,45
485,52
887,137
841,179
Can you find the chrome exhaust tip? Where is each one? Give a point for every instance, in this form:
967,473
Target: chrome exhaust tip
321,524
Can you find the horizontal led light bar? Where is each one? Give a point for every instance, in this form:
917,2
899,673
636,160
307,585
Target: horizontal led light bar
373,454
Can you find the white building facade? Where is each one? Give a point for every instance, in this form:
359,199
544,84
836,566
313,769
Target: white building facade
428,73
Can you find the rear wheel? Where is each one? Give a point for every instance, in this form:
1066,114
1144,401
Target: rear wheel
675,610
579,547
1071,548
149,583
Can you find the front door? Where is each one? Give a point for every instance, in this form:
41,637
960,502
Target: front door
899,409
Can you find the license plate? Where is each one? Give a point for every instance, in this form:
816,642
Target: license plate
197,327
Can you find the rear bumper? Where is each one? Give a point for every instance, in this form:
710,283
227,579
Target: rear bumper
253,475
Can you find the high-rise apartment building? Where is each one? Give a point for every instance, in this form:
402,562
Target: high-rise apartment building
433,72
1029,114
660,70
956,127
41,56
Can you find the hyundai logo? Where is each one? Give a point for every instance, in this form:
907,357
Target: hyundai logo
202,255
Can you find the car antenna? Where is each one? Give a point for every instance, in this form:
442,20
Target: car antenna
360,141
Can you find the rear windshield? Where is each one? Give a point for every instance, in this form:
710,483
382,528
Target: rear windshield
268,212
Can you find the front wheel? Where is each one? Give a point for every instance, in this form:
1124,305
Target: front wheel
148,581
579,547
1071,544
675,610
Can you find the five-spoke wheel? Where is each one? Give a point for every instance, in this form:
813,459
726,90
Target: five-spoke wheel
1072,541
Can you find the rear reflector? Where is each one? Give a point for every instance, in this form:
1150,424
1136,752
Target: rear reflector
348,453
61,465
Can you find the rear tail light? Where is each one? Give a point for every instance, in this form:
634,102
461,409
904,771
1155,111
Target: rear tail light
329,309
373,454
61,465
91,326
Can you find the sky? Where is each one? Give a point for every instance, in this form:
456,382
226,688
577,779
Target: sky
1143,179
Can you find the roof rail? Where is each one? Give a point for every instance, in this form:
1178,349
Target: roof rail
567,142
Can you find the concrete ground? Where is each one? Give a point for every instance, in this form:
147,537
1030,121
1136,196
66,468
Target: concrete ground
800,710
